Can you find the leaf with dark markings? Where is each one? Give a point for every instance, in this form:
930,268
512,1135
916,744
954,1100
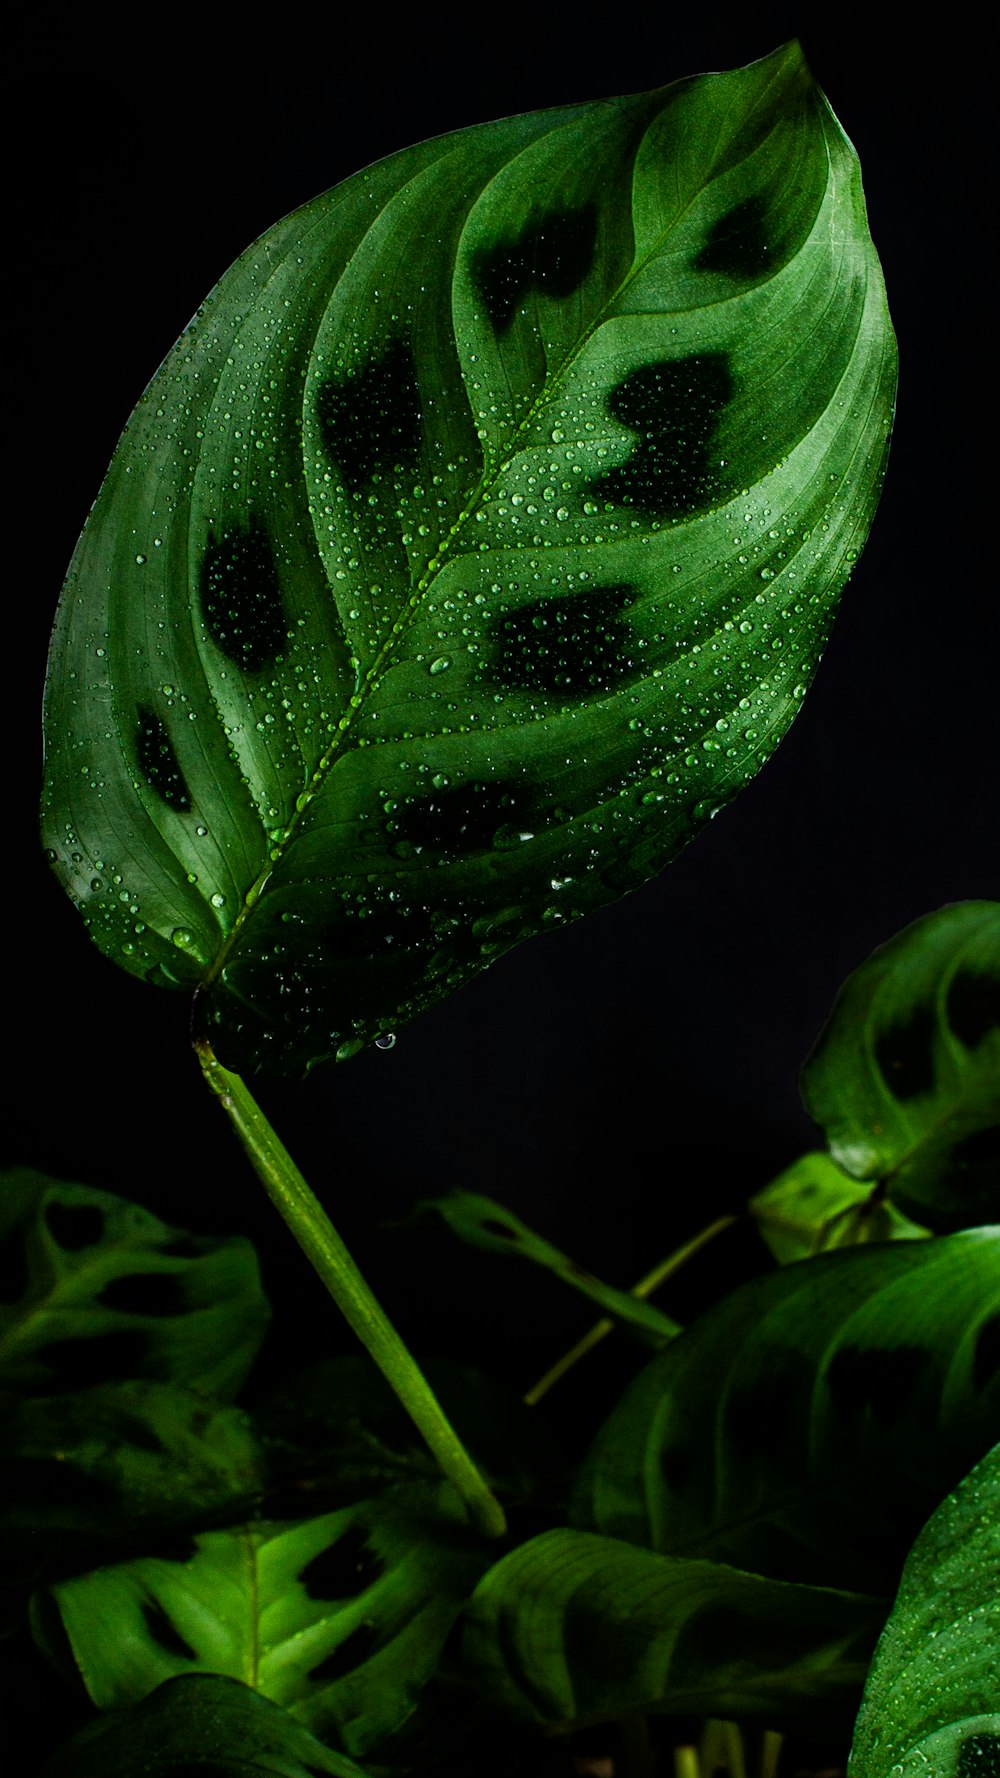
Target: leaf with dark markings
814,1206
572,1628
95,1290
905,1077
473,546
804,1427
202,1726
341,1618
932,1701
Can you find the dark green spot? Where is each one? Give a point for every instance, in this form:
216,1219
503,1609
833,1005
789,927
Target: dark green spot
737,243
512,1662
491,1226
905,1054
49,1482
103,1359
673,407
146,1293
177,1549
131,1430
601,1647
979,1757
881,1379
241,600
370,421
158,761
462,818
676,1466
344,1570
759,1416
160,1630
980,1149
355,1649
14,1272
569,647
552,254
986,1363
973,1007
182,1247
73,1226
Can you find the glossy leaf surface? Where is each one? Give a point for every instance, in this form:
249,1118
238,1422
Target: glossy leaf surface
572,1627
340,1618
814,1206
94,1289
201,1724
472,547
932,1701
905,1078
806,1426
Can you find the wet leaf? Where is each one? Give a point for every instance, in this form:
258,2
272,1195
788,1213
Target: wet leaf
814,1206
473,546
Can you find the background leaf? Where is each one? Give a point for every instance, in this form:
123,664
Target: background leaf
905,1078
814,1206
576,1628
340,1618
932,1697
200,1723
94,1289
806,1425
473,546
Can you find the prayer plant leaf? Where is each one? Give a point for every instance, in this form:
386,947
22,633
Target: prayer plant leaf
475,543
905,1077
485,1223
339,1618
94,1289
572,1627
805,1426
932,1701
814,1206
195,1725
123,1461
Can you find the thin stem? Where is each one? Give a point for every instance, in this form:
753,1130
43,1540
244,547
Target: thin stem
770,1753
686,1763
322,1245
645,1287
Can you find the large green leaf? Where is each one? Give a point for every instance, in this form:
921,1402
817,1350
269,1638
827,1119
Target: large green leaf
475,543
814,1206
340,1618
571,1627
94,1289
806,1426
199,1725
932,1701
905,1078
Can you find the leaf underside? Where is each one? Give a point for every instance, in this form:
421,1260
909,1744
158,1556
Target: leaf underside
475,544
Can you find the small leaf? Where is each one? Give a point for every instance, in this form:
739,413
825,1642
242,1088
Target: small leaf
96,1290
805,1426
473,546
573,1628
204,1725
932,1701
485,1223
905,1077
340,1618
814,1206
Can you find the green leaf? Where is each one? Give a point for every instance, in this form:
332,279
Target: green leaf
485,1223
576,1628
814,1206
932,1701
472,547
95,1289
214,1727
905,1078
340,1618
806,1425
123,1460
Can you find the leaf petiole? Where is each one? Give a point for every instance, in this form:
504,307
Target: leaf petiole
322,1245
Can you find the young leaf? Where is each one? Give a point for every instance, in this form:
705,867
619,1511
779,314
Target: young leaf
341,1618
94,1289
932,1701
814,1206
485,1223
905,1077
201,1724
576,1628
806,1425
475,543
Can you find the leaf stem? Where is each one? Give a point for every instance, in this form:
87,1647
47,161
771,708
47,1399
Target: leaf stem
645,1287
322,1245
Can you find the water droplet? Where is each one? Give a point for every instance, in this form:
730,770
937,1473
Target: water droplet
218,900
441,665
182,938
141,561
386,1040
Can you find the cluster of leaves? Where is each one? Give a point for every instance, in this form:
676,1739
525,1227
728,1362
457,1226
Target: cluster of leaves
729,1546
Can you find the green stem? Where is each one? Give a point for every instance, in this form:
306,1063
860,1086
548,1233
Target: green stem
321,1244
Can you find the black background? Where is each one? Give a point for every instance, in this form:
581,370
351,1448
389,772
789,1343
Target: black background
621,1082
